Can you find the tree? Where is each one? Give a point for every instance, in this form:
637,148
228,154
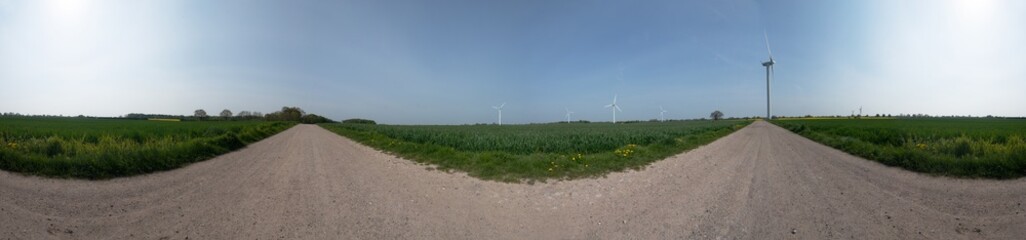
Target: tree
359,121
200,113
292,113
716,115
314,118
244,114
286,114
226,114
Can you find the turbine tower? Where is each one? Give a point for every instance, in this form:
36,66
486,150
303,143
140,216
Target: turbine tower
662,111
499,108
568,112
615,108
769,72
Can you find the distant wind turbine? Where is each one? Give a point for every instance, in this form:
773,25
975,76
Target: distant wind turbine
615,108
661,112
499,108
769,72
568,112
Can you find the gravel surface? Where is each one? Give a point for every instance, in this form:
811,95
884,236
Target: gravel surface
761,182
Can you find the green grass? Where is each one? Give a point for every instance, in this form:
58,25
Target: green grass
107,148
515,153
982,147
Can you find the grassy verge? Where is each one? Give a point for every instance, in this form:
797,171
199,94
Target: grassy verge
538,151
107,148
987,148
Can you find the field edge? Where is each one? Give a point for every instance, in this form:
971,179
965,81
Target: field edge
127,162
536,167
919,155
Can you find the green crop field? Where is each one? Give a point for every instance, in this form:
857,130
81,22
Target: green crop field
539,151
106,148
982,147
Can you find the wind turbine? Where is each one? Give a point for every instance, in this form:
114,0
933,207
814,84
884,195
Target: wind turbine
662,111
499,108
769,72
615,108
568,112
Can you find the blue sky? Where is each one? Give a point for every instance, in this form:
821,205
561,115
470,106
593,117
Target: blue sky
448,62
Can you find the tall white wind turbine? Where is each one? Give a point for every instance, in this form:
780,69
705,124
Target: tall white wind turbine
661,112
769,72
615,108
499,108
568,113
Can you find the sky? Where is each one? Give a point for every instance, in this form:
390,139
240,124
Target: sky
449,62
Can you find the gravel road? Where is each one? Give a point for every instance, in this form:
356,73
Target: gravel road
761,182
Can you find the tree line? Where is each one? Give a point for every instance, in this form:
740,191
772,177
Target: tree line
295,114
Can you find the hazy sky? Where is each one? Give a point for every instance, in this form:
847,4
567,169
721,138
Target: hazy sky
448,62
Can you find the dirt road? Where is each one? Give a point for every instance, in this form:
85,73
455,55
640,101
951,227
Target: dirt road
761,182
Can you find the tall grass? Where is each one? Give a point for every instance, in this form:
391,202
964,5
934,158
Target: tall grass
516,153
989,148
107,148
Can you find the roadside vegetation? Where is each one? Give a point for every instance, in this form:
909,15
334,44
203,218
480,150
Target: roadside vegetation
106,148
515,153
963,147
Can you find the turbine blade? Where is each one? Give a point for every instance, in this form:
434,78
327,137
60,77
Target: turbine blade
503,105
764,35
614,98
609,105
618,108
